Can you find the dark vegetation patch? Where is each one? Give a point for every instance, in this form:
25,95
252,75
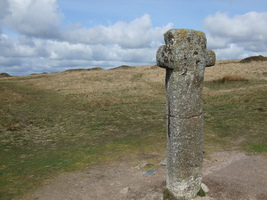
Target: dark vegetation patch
254,58
227,79
122,67
80,70
154,67
227,62
43,73
3,75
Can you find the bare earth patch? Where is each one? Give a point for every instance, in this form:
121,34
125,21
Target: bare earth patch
228,175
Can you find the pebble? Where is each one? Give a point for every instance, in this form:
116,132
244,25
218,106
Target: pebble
149,172
124,190
163,162
205,188
140,166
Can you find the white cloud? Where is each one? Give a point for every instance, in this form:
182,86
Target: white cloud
231,51
237,36
138,33
11,48
133,43
33,18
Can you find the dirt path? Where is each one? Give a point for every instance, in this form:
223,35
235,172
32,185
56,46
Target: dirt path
228,176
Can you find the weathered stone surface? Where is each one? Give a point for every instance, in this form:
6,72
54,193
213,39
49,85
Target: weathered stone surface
211,58
185,57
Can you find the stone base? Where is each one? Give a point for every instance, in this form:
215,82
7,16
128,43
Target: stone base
167,195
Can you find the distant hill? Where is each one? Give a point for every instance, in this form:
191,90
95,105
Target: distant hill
90,69
254,58
3,75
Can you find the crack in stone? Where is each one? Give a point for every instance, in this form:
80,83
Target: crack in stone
181,117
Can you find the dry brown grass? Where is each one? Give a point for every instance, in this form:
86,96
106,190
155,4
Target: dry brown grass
224,68
95,82
103,87
93,85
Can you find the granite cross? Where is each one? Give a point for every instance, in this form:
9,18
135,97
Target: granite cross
185,57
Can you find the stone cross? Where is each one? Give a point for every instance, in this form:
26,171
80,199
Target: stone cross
185,57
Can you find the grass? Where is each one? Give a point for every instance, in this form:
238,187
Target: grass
53,123
44,132
236,117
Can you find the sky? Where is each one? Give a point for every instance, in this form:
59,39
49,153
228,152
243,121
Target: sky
39,36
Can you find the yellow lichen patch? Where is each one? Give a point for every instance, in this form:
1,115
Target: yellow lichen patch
200,33
182,33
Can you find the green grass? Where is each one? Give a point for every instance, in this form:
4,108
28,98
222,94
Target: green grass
259,148
45,132
236,119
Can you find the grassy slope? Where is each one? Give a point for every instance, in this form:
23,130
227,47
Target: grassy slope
52,123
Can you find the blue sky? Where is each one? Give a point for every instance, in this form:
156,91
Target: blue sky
54,35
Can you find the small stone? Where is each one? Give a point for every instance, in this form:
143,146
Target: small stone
163,162
140,166
124,190
149,172
205,188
